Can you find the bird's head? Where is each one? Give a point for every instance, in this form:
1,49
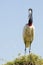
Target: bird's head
30,21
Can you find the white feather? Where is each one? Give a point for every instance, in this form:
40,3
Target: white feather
28,34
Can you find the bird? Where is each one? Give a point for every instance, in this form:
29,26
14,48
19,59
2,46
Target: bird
28,31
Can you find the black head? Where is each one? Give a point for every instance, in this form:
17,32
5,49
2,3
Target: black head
30,12
30,21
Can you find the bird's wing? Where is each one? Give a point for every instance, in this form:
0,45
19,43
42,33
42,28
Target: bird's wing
26,37
33,32
24,33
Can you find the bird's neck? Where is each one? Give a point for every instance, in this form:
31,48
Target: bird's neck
30,22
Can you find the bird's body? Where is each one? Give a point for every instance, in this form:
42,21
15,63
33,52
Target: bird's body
28,35
28,32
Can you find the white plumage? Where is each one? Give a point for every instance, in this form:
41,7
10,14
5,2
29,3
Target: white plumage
28,35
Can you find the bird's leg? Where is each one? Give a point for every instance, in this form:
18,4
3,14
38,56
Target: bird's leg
30,49
25,48
30,55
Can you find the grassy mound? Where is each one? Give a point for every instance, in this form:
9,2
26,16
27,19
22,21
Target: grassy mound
27,60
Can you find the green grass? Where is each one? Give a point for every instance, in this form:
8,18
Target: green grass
31,59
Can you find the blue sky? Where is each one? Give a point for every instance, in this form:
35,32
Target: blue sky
13,17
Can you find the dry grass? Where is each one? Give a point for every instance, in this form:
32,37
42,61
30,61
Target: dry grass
27,60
